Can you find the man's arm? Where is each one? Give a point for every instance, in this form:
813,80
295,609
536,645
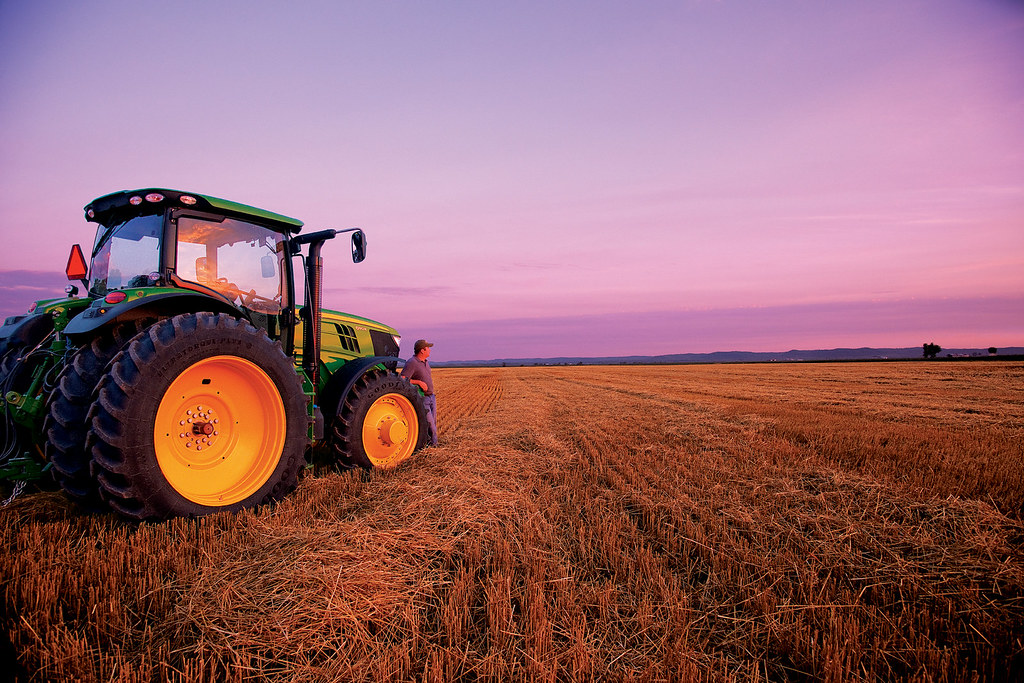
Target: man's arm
407,372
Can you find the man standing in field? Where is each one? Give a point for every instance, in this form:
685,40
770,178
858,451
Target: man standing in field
417,370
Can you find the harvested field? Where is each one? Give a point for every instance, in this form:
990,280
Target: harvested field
833,522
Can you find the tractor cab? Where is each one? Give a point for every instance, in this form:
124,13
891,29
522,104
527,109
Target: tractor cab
166,243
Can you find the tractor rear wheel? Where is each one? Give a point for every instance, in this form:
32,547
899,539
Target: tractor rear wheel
15,376
201,413
380,423
10,368
66,426
20,360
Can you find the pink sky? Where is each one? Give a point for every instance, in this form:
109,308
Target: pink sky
715,175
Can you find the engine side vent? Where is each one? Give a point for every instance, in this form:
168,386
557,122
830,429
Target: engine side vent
347,335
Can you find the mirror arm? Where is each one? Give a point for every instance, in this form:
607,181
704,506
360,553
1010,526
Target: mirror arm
319,236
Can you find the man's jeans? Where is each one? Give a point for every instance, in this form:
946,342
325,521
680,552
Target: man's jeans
430,402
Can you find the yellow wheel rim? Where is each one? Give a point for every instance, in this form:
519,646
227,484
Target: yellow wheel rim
390,430
220,430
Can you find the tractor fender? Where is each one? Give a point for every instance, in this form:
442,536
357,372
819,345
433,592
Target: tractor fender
343,379
162,305
25,330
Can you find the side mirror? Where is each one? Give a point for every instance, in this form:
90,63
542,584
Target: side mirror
202,274
267,269
358,246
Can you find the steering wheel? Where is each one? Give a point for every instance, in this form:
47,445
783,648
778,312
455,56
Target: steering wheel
228,289
254,301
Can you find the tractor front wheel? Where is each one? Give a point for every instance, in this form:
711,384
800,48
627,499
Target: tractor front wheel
201,413
380,423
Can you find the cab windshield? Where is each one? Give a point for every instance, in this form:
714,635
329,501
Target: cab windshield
241,260
126,254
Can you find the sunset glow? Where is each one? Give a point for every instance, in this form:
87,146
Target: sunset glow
547,179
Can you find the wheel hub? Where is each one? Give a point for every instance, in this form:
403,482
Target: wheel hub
202,428
199,427
392,431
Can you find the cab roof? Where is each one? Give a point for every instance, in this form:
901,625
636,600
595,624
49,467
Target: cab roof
156,200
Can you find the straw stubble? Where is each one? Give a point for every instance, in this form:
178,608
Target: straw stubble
831,521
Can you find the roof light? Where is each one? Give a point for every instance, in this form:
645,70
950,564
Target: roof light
135,201
115,298
188,199
32,308
154,197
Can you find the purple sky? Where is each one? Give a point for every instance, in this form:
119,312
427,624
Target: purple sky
541,179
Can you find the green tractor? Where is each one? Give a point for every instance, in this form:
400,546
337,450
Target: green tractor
186,380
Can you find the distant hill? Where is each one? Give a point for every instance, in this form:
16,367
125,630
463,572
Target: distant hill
792,356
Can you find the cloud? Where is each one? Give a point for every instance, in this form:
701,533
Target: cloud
520,266
948,322
413,292
19,288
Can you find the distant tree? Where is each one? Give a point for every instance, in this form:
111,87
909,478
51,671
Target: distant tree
931,350
992,351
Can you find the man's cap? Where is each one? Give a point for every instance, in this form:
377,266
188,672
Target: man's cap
420,345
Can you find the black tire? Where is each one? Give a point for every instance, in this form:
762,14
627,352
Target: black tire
66,426
12,378
8,365
380,424
15,372
17,365
239,381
